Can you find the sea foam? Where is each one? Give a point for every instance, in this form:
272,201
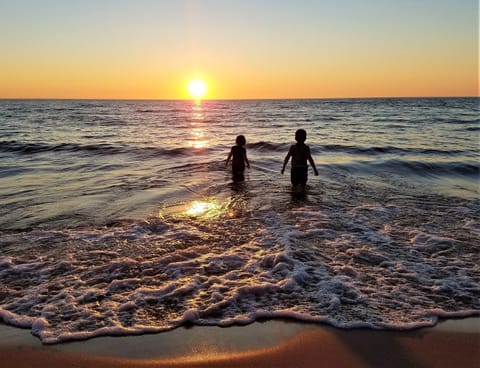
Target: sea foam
361,267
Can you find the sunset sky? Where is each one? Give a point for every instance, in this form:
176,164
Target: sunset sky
140,49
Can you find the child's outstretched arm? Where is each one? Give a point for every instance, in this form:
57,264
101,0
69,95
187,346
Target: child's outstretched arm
285,162
246,160
310,159
229,157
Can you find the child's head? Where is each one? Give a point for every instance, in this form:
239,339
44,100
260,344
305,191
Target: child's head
301,135
241,141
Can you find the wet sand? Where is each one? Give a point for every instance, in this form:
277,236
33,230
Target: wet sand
453,343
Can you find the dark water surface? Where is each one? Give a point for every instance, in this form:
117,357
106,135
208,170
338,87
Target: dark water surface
119,217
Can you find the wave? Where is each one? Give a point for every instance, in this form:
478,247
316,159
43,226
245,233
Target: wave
468,169
358,150
263,146
268,146
99,148
390,120
375,150
32,148
407,122
164,111
455,168
461,121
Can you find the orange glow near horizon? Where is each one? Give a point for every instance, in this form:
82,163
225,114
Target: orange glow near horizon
389,79
304,49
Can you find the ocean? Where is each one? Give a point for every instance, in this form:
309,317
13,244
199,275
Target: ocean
120,217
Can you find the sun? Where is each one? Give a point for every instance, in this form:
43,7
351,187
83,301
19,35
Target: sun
197,88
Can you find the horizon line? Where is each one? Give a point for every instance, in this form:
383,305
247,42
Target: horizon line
228,99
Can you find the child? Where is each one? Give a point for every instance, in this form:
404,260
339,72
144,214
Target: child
300,153
239,154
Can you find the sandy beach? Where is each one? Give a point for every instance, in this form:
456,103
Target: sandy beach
269,344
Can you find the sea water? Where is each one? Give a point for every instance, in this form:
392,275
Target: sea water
120,217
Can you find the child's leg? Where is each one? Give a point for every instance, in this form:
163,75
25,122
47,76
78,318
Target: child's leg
237,173
299,176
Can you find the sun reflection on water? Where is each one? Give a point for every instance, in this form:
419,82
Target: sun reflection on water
197,122
210,208
198,140
205,209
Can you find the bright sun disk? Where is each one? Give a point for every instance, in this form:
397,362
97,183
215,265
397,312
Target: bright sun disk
197,88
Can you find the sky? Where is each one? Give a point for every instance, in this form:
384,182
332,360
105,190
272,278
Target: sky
242,49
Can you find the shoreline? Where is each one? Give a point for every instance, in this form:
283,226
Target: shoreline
272,343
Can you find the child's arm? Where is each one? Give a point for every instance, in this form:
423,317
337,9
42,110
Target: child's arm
229,157
310,159
246,160
286,161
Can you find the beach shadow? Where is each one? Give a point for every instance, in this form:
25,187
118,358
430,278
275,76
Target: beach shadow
378,348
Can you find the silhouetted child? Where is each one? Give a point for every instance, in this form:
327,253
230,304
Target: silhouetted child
300,153
238,154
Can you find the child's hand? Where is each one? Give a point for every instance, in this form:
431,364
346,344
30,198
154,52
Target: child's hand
316,172
283,170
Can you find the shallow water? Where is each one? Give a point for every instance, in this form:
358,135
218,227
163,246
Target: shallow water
119,217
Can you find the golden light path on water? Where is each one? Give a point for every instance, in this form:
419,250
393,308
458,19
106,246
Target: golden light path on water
198,139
